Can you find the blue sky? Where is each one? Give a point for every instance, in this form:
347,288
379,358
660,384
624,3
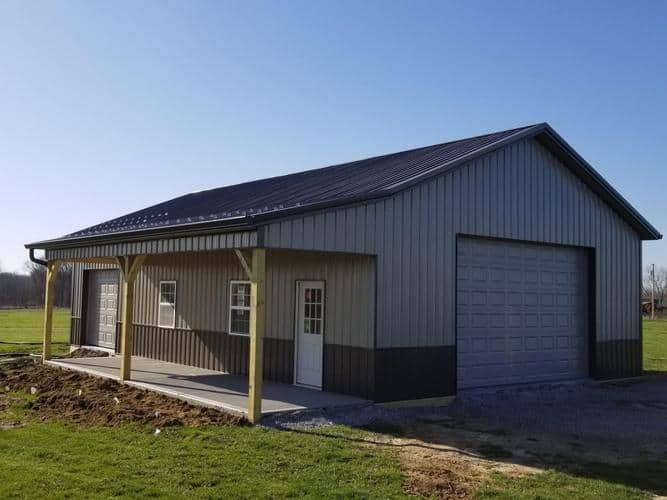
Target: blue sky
109,107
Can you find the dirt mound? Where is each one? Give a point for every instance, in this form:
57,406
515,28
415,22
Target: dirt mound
91,401
435,477
87,353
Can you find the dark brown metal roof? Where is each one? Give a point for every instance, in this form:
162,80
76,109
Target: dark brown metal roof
244,204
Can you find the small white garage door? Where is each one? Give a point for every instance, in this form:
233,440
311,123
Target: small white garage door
522,312
102,308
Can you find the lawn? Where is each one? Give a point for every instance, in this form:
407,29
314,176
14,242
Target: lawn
655,345
213,462
25,325
56,459
555,485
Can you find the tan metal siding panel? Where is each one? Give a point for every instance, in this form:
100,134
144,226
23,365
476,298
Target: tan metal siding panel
203,285
349,291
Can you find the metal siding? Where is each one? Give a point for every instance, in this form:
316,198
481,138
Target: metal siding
246,239
203,285
357,179
520,192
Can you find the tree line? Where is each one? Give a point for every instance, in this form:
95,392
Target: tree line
27,290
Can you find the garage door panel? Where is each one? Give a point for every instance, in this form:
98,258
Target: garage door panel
102,308
529,323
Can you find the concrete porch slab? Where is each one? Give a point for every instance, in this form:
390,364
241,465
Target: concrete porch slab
207,387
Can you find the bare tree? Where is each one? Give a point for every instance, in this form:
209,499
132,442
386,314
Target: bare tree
27,290
659,285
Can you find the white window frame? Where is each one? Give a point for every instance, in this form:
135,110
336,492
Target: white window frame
160,303
242,308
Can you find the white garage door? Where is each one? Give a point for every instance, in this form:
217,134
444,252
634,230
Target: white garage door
102,308
522,313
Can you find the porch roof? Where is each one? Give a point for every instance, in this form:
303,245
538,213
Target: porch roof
173,244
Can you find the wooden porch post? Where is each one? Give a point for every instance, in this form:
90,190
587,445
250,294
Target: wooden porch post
129,267
52,269
257,326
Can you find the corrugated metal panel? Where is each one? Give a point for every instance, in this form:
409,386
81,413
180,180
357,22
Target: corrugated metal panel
244,239
213,350
200,337
359,178
203,286
520,192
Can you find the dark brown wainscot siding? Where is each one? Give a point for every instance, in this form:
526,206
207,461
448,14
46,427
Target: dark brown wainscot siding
213,350
349,370
75,332
415,372
618,359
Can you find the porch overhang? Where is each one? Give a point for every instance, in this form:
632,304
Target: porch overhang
87,249
129,256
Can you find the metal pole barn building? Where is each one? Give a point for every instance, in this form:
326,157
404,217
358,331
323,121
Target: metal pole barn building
499,259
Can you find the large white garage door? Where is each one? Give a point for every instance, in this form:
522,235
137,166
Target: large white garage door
522,312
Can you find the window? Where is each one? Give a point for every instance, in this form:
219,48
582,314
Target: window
239,308
312,310
167,306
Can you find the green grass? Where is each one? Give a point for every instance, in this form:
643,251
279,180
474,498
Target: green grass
213,462
566,486
247,462
129,461
655,345
26,325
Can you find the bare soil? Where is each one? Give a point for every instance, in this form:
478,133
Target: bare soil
444,457
88,401
454,470
439,461
87,353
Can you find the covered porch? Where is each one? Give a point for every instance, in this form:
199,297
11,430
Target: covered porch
254,265
207,387
197,356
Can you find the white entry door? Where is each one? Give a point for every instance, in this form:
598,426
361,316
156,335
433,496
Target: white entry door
309,332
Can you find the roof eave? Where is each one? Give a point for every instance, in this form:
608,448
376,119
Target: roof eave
174,231
555,143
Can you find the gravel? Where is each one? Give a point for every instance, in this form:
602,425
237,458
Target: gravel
622,414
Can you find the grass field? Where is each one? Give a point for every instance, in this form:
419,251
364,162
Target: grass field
655,345
213,462
25,325
60,460
55,460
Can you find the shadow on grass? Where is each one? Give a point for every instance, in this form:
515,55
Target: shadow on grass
647,475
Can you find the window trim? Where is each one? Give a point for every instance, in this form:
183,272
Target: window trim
160,303
243,308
